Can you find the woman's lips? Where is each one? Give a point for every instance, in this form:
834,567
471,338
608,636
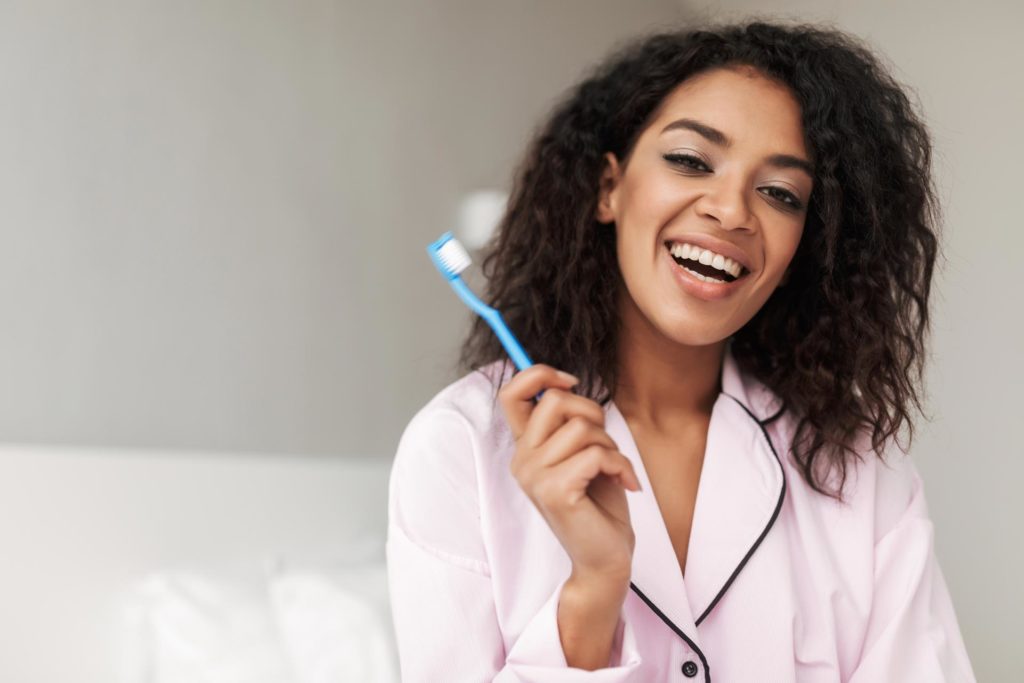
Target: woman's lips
708,291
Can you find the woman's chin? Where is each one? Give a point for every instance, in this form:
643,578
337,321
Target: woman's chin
696,334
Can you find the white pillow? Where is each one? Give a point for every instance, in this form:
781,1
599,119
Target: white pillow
289,619
185,628
335,622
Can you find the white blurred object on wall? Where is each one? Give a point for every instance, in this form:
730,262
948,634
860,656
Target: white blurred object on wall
479,214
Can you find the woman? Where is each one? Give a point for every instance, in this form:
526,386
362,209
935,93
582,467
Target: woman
727,236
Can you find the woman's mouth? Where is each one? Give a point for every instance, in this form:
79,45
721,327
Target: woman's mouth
702,272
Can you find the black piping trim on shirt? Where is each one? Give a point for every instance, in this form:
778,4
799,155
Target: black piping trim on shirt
778,507
770,419
775,514
678,631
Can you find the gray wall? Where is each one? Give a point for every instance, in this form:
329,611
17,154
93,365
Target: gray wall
964,61
215,213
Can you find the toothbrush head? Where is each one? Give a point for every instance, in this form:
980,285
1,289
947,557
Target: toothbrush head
449,256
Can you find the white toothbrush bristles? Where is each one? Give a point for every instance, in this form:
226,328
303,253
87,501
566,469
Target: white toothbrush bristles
453,257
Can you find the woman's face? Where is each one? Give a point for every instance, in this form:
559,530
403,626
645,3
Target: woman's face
721,168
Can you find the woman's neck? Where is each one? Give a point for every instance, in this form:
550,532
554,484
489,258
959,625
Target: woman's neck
661,384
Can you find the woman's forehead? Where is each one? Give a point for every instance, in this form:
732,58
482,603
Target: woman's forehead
741,102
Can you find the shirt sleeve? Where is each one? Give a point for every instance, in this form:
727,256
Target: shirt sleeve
912,632
442,600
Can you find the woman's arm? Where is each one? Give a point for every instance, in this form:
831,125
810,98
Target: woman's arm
912,632
589,612
442,599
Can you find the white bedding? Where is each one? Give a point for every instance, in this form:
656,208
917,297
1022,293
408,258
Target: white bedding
137,565
285,624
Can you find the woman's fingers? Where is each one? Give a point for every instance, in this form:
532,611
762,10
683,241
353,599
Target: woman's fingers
571,469
569,479
573,436
554,409
517,395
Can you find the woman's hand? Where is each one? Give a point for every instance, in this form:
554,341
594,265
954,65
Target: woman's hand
572,471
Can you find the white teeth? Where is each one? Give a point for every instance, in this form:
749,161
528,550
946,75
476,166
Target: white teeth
707,257
705,278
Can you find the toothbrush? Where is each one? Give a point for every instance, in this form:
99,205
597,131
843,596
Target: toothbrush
451,259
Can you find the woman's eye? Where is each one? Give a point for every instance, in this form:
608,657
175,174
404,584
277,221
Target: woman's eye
786,197
687,161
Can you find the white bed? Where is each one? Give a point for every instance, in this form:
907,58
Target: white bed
164,567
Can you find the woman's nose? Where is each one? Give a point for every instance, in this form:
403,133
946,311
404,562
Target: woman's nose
727,202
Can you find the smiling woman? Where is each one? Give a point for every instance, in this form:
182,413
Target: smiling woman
694,234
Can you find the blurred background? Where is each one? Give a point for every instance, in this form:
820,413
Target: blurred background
218,313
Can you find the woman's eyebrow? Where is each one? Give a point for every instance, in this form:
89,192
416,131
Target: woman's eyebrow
717,137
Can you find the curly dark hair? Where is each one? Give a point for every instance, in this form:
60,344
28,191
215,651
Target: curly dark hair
842,342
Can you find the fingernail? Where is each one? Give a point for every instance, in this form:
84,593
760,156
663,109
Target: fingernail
568,378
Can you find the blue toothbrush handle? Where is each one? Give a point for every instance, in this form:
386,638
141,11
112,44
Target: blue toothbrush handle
507,339
493,318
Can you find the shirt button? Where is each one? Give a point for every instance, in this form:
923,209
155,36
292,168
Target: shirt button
689,669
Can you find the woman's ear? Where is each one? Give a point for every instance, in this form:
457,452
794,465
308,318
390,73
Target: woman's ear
606,189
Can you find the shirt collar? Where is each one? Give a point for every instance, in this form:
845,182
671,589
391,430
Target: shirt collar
739,496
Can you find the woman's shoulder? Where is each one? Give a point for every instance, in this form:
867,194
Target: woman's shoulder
897,489
458,422
471,400
434,488
882,485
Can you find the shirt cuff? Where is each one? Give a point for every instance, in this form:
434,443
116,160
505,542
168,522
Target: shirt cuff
538,656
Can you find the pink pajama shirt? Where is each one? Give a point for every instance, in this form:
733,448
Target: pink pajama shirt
781,583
